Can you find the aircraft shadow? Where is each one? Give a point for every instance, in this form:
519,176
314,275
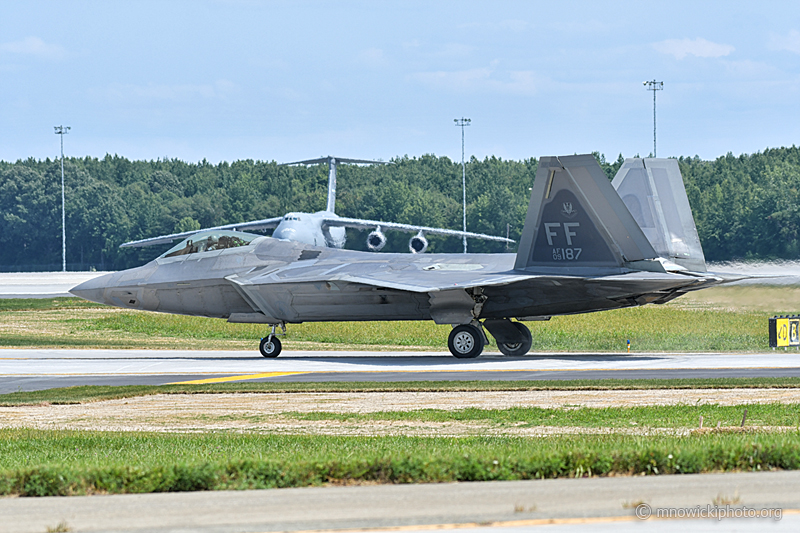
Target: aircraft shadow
448,360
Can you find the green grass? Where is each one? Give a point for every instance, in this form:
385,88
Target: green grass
70,322
426,334
46,304
648,328
88,393
44,463
669,416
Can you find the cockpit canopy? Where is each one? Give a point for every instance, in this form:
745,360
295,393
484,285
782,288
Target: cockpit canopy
207,241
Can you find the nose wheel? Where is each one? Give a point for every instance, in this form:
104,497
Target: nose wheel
466,341
270,345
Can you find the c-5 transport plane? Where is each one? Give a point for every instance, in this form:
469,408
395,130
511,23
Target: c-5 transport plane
326,228
587,245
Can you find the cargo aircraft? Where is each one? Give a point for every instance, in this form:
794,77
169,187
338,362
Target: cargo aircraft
326,228
587,245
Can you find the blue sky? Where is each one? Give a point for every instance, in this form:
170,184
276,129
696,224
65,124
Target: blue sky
274,80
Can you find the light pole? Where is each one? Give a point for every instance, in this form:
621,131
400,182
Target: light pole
463,122
63,130
654,86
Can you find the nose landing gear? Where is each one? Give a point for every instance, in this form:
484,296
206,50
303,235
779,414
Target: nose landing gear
270,345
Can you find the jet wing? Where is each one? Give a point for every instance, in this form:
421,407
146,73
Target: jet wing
362,224
386,278
255,225
447,274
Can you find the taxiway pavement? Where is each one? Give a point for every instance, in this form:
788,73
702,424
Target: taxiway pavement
41,284
38,369
563,504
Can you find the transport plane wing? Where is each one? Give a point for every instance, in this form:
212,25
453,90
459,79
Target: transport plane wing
586,246
255,225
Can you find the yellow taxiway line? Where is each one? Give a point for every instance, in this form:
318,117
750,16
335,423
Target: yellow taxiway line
236,378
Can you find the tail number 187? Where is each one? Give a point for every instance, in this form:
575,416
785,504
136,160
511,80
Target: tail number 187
566,254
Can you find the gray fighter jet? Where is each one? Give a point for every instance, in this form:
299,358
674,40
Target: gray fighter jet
586,246
326,228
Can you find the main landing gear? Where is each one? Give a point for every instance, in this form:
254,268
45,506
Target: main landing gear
521,347
468,340
270,345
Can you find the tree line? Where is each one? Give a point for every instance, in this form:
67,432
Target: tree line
744,207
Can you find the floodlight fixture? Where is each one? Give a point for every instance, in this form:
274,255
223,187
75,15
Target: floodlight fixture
654,86
63,130
462,122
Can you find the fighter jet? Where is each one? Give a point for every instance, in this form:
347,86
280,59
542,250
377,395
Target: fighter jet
326,228
587,245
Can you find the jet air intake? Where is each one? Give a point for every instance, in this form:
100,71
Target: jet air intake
376,240
418,243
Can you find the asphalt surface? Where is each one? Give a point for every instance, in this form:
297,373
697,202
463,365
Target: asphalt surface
564,504
41,284
38,369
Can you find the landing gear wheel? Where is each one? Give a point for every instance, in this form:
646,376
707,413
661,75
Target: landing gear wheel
465,341
518,348
270,347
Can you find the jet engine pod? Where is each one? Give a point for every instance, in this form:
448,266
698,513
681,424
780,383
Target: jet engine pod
376,240
418,243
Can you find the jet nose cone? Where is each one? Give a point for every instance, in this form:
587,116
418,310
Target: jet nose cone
93,289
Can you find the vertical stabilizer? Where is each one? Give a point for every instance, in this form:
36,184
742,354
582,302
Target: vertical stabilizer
576,219
653,192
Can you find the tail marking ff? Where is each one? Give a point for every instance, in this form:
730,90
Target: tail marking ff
579,222
576,219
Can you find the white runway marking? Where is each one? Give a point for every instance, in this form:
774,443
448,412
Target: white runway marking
40,362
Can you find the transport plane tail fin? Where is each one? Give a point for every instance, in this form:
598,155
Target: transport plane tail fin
578,224
653,192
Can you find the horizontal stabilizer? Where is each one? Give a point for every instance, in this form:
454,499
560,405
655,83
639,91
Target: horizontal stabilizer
576,220
654,193
336,160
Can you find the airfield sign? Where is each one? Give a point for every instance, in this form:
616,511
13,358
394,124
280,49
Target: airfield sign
784,331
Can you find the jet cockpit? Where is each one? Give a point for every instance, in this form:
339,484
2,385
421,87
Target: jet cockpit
211,240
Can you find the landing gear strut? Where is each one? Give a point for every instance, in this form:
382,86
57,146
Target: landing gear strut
270,345
466,341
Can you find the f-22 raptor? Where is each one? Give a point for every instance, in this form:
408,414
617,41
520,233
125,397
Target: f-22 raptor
587,245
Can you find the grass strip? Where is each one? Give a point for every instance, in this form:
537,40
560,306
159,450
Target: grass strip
71,322
88,393
657,416
648,328
47,304
88,463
